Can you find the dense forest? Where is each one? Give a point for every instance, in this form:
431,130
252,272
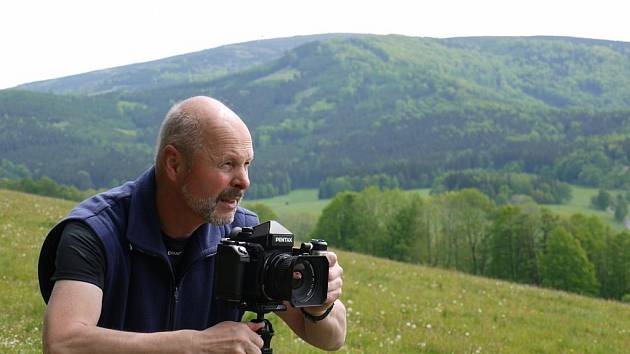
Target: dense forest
466,231
502,187
323,109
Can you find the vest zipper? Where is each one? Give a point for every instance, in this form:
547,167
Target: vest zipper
175,291
173,309
175,299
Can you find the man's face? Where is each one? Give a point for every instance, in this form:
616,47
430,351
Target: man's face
218,177
206,207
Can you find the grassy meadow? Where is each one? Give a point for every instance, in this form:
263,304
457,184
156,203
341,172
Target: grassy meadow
298,210
24,221
580,203
392,307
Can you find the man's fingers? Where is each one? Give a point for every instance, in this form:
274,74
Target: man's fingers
335,272
258,343
255,338
232,337
255,326
332,258
335,280
334,290
332,296
335,284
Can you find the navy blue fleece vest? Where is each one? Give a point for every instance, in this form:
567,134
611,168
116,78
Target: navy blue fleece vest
140,291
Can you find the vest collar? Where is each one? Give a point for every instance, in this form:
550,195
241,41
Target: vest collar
143,230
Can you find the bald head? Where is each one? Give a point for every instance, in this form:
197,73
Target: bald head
196,123
208,109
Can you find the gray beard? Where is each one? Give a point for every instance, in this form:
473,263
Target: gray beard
206,208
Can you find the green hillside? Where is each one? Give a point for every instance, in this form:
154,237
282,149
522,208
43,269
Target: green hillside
192,67
392,307
412,108
416,107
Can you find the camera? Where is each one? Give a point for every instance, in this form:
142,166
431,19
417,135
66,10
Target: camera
258,269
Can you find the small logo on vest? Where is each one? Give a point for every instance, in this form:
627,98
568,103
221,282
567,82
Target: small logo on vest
175,253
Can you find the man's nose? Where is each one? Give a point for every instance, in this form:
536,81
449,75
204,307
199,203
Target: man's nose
241,179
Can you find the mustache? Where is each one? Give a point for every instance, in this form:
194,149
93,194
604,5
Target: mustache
231,193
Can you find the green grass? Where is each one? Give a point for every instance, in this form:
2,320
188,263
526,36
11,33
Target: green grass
580,203
298,210
299,200
24,221
282,75
402,308
392,307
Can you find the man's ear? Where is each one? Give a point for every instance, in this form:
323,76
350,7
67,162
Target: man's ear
174,164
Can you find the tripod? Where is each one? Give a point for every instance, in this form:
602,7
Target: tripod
266,332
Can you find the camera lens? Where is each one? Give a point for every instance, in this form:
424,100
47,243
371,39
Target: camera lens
289,278
298,276
303,281
279,277
300,279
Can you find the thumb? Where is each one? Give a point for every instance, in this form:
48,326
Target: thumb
255,326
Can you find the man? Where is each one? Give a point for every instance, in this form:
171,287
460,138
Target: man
131,270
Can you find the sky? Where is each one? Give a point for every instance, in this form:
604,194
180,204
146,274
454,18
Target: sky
44,39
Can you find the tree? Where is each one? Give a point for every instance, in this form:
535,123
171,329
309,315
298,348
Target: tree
593,236
466,221
373,209
338,223
621,208
602,200
616,284
564,265
265,213
83,180
408,232
512,245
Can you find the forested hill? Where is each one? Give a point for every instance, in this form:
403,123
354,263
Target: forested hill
411,108
193,67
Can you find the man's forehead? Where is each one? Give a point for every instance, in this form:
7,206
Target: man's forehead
225,135
231,151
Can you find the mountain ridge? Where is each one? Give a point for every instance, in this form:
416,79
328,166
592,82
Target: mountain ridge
231,57
410,107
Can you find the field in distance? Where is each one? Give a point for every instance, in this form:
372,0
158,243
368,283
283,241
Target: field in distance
300,209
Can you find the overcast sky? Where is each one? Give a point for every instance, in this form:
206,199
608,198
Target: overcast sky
46,39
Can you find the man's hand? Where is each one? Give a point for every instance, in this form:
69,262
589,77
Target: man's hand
231,337
330,332
335,283
70,326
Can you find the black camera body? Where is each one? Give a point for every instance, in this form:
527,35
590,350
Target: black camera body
258,268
